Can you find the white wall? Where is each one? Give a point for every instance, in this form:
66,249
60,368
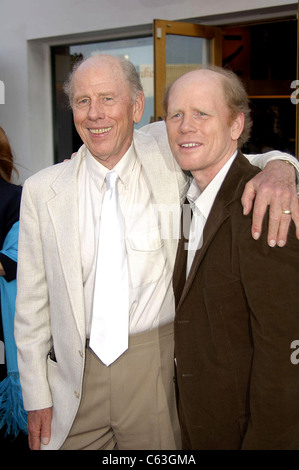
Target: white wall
29,27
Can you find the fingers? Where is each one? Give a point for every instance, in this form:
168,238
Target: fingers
72,156
248,197
39,428
274,187
279,222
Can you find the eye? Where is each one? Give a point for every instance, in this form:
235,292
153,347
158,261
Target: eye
81,102
107,99
174,115
200,114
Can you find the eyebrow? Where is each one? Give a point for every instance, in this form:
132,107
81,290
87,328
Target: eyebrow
81,95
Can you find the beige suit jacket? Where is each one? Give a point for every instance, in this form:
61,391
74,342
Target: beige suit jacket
50,301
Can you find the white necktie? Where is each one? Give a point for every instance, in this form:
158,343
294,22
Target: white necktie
195,236
110,318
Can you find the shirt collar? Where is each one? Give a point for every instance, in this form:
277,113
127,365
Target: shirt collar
204,200
124,168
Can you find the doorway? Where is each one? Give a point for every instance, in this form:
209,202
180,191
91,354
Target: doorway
264,55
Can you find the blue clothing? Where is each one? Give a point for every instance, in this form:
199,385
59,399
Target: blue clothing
12,414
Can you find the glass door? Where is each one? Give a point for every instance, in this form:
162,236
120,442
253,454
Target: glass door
178,48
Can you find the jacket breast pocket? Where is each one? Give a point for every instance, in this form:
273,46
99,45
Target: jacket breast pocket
146,258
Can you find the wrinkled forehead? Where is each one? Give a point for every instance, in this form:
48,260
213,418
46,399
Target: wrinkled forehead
199,79
205,85
101,77
99,70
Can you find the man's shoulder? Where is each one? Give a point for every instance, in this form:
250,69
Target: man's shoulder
247,169
155,129
45,175
48,175
154,137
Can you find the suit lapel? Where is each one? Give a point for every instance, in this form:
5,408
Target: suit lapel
165,183
63,210
219,213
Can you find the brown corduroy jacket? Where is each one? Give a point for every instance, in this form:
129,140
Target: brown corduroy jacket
236,318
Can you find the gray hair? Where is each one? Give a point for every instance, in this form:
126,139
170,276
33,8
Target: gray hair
130,73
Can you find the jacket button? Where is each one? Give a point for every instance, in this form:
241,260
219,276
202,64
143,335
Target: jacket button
77,395
81,353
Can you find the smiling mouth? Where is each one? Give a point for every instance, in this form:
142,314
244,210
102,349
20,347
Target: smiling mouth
102,130
190,145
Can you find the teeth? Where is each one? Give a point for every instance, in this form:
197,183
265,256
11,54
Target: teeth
193,144
100,131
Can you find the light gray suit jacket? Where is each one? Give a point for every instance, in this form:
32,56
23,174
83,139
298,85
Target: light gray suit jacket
50,301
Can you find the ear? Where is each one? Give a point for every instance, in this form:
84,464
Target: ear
237,126
138,107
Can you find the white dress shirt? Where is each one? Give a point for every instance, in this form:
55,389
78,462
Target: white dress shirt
201,203
150,277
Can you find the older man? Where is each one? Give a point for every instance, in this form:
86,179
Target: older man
237,302
80,394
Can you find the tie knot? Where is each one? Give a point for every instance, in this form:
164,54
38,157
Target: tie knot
111,179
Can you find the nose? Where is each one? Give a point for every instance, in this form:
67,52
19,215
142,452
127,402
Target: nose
187,124
95,111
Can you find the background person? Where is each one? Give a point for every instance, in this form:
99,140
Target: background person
13,418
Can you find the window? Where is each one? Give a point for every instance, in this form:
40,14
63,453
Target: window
264,56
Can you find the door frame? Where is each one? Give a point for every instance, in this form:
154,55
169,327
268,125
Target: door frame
160,30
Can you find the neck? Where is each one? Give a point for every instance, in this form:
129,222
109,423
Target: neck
204,176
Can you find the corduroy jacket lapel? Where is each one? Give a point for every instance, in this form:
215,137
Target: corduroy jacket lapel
219,213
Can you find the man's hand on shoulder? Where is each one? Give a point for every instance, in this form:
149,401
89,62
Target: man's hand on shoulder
275,186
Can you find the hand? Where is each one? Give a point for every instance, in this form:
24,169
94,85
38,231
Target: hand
39,427
72,156
274,186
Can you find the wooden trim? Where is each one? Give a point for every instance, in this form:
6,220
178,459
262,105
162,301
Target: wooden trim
159,67
272,97
160,30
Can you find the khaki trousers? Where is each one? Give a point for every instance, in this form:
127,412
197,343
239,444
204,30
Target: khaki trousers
129,405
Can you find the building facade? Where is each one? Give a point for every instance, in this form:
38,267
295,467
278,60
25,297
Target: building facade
39,39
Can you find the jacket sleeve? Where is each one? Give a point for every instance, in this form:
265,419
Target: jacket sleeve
270,278
32,322
261,159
